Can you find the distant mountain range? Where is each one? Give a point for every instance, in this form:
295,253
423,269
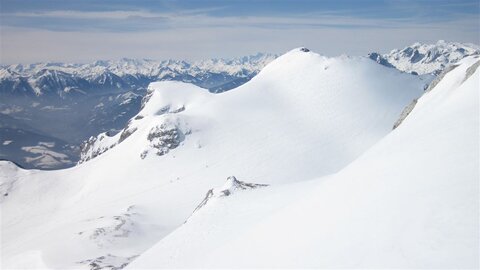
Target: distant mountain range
426,58
63,80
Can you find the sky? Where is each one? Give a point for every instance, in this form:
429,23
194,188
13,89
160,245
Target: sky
87,30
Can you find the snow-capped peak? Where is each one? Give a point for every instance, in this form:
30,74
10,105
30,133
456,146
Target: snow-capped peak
422,58
146,67
218,75
7,74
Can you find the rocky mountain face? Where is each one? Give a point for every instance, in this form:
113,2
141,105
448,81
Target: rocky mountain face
426,58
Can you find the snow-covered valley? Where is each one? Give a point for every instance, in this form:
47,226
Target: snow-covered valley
320,177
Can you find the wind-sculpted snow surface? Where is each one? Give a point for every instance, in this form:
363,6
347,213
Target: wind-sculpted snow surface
303,116
410,201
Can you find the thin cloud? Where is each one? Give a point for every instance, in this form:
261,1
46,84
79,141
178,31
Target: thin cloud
141,20
193,33
65,14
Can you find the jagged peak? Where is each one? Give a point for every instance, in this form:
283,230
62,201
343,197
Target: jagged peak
250,63
424,58
6,73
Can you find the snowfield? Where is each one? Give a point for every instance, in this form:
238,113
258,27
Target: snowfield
411,201
336,186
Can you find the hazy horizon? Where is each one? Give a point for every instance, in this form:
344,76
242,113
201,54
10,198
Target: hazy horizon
85,31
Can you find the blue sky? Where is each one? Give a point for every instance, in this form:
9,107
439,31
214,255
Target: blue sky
84,30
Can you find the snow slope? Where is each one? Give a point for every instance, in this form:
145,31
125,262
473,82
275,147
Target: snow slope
411,201
303,116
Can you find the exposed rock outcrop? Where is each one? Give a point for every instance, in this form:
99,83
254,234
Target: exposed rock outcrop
231,186
165,137
94,147
380,59
108,262
405,113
